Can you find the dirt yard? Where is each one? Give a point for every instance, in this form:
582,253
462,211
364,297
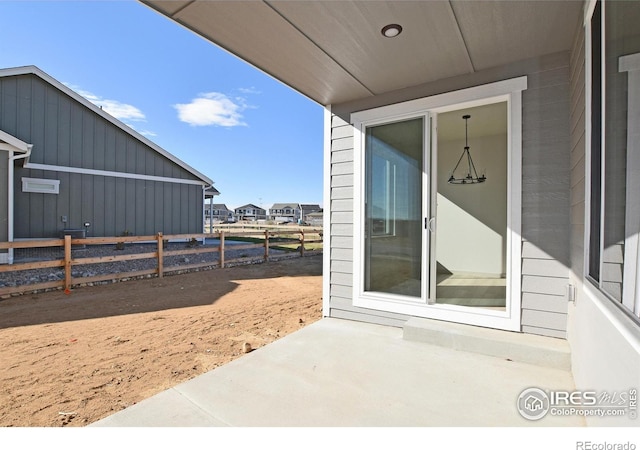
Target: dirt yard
69,360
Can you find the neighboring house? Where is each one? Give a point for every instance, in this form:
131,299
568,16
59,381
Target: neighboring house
218,212
291,212
285,212
549,238
314,219
308,209
210,193
250,212
67,164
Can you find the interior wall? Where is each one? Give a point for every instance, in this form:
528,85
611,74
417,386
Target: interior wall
472,219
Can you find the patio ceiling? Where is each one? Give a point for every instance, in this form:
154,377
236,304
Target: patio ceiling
334,51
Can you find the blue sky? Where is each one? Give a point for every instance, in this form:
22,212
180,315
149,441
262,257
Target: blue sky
258,140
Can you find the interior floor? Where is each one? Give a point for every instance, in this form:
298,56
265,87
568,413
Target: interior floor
471,290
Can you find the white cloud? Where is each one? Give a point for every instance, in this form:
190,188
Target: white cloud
119,110
212,108
250,90
147,133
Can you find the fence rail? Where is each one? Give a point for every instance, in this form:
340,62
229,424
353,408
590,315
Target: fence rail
265,239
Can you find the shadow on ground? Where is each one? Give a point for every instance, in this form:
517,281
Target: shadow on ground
147,295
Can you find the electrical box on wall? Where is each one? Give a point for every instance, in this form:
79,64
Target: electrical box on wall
571,293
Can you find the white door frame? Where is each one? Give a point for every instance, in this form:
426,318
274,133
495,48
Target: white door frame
509,91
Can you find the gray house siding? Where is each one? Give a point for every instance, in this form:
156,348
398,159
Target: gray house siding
111,205
545,192
66,133
4,199
545,200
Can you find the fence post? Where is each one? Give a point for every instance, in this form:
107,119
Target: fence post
67,263
301,243
160,255
266,245
221,249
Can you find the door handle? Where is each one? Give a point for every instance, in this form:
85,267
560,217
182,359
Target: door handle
430,224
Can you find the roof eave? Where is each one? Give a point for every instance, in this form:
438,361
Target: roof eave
14,143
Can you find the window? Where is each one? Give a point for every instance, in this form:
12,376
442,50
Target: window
40,185
393,205
613,217
596,144
394,253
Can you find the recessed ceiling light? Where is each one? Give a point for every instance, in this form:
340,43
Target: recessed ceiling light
391,30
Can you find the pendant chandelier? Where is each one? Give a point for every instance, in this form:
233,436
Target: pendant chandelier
471,175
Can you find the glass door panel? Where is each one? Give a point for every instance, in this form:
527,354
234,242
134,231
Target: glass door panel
393,208
471,233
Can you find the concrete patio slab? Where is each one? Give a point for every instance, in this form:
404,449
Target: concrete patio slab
339,373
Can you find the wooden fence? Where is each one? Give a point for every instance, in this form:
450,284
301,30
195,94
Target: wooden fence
267,240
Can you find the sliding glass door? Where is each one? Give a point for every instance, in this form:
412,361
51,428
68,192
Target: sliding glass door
437,207
393,199
470,208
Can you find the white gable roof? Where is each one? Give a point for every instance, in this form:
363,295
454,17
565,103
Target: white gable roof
12,143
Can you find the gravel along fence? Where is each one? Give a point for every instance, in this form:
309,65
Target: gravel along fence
35,276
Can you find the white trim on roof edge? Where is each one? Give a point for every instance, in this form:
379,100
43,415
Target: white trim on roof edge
13,142
109,173
33,70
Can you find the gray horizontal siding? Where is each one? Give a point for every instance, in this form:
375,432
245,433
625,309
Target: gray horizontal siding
544,302
341,279
367,317
536,284
544,283
342,205
612,270
546,200
342,168
544,268
544,319
342,193
343,267
342,190
342,308
544,331
342,242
